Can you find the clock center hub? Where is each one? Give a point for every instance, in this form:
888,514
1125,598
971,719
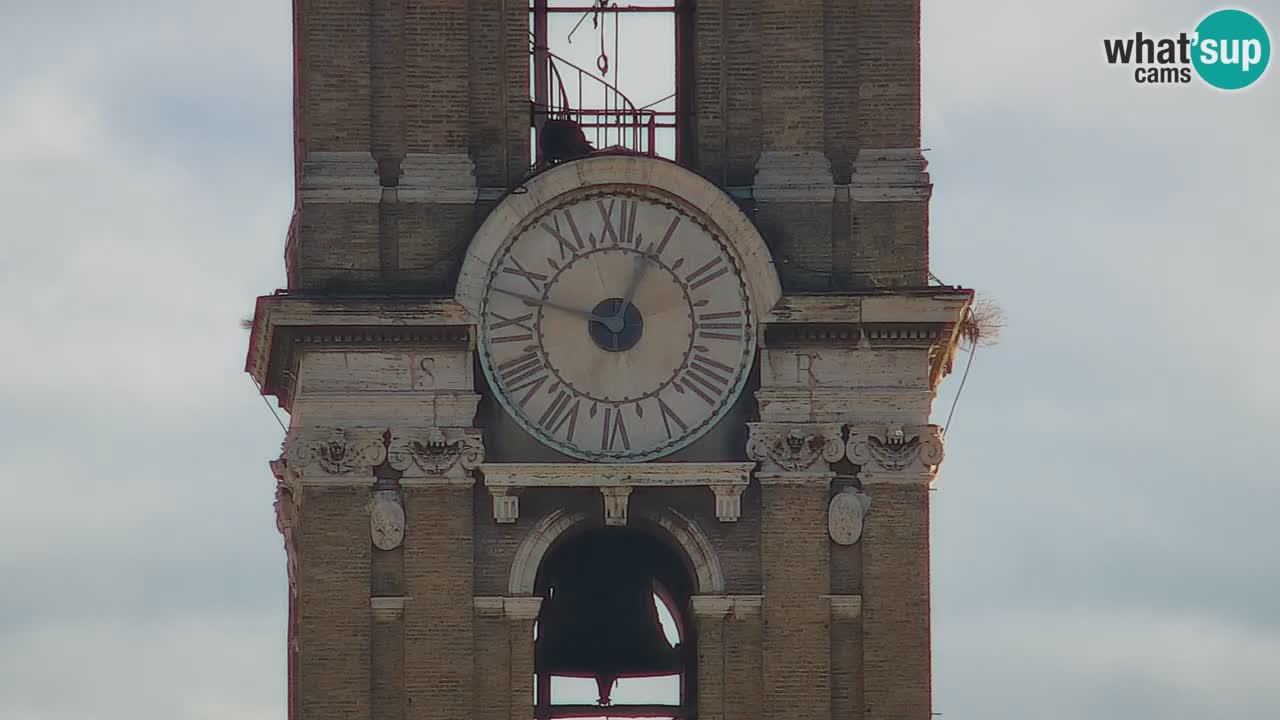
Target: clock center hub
616,328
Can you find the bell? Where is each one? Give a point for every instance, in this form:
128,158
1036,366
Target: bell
599,620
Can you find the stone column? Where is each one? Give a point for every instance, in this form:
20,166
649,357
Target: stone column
898,465
795,478
709,613
728,673
846,656
387,658
521,613
439,559
330,472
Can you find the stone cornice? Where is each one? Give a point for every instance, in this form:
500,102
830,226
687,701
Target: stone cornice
931,305
283,323
890,175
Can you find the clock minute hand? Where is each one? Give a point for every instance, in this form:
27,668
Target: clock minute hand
616,323
539,302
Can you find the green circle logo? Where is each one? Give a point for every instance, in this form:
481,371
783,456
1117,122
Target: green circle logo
1232,49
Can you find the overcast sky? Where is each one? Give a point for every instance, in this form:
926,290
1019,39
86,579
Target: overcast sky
1104,537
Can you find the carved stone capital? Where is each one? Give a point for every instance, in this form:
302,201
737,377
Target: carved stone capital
440,454
334,453
892,453
794,448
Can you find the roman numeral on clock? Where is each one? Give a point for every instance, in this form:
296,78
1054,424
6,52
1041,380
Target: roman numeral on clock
563,242
669,416
707,378
525,372
559,412
615,428
715,326
705,274
523,322
535,279
624,232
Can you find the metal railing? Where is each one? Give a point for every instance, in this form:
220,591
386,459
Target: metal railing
608,118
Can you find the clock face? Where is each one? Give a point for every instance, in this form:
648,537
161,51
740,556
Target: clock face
616,327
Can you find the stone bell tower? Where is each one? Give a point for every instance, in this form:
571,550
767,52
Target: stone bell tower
609,349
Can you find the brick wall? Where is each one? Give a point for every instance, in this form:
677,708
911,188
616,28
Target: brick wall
333,611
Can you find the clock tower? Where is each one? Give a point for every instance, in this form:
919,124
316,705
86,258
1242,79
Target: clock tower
609,349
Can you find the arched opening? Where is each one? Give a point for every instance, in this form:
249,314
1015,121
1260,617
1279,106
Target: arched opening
613,637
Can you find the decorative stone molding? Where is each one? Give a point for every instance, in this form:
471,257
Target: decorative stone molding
845,514
340,177
615,505
845,607
335,453
386,519
795,177
447,178
386,609
287,515
504,480
794,448
708,574
435,455
515,609
890,175
721,606
892,453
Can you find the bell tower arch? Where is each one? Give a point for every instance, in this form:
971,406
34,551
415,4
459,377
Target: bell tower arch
592,302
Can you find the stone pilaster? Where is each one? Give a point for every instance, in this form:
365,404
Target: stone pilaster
897,466
728,628
795,479
387,658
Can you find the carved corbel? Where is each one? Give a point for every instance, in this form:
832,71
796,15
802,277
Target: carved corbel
506,504
895,453
729,501
443,455
335,452
794,449
616,499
